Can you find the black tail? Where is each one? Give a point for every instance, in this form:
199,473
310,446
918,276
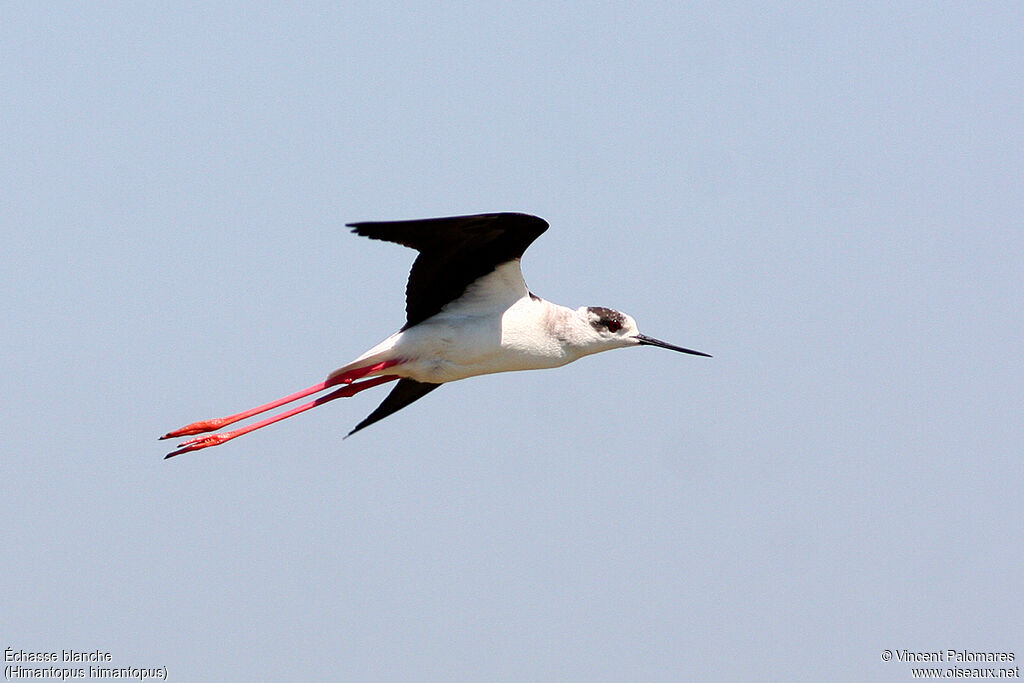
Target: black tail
404,393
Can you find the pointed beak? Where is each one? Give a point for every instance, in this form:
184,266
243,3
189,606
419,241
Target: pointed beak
644,340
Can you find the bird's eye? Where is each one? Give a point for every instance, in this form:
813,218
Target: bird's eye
613,325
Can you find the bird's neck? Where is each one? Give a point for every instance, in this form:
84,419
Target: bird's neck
570,328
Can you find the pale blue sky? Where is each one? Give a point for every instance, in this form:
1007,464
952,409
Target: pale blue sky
825,197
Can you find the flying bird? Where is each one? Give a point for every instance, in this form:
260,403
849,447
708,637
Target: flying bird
468,312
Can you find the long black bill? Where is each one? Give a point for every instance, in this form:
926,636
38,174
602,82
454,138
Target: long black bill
651,341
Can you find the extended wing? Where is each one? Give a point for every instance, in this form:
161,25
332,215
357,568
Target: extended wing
454,252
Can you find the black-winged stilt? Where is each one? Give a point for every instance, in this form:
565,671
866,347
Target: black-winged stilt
468,312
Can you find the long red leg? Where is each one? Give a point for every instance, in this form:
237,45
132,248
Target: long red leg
217,439
220,422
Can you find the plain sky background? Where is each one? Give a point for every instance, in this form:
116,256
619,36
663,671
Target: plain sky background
826,197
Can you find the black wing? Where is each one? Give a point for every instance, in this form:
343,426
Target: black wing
454,252
404,393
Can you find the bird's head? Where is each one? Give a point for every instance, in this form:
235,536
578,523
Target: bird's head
610,329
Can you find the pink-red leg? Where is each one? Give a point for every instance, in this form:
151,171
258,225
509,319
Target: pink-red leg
221,422
217,439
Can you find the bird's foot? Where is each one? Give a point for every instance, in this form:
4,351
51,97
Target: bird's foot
200,427
200,443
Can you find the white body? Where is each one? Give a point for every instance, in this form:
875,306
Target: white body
495,326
